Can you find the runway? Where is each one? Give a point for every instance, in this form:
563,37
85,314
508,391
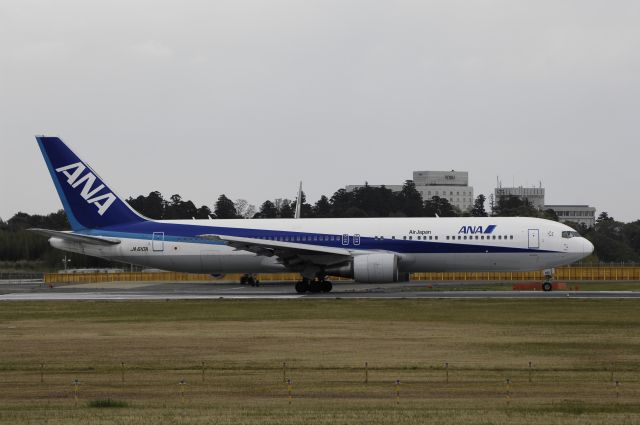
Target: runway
120,291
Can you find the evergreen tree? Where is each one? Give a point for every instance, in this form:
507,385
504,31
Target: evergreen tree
204,212
438,206
410,200
286,209
478,207
514,206
322,208
225,208
151,206
267,210
340,202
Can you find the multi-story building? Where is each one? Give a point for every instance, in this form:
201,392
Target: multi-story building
535,195
451,185
583,214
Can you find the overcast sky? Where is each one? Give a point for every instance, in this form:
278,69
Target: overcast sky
248,97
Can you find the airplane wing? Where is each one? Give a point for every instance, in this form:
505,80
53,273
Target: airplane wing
75,237
290,253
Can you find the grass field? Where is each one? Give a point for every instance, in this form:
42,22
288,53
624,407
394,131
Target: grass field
577,348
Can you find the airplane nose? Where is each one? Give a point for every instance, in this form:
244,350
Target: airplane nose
587,246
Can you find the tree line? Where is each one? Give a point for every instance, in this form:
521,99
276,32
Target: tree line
614,241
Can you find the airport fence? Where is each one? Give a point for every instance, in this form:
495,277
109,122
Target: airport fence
595,273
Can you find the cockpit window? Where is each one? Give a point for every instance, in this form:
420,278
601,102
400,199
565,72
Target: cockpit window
568,234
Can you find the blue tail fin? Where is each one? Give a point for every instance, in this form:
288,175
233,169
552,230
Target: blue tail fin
87,200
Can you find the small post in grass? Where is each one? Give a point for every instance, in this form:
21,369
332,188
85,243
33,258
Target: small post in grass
613,366
397,391
289,390
529,372
284,372
182,384
122,371
366,372
76,383
617,390
41,373
203,368
446,371
508,398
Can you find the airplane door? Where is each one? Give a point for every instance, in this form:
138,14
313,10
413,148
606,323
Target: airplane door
534,238
157,241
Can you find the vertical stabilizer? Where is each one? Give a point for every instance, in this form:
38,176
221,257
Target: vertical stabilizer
87,200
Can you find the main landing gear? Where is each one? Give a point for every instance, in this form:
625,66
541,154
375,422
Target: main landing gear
314,286
249,279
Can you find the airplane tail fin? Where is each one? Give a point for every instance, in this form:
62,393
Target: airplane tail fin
87,200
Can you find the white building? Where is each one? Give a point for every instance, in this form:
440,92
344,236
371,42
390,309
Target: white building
583,214
451,185
535,195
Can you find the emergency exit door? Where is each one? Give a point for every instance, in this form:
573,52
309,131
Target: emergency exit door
534,238
157,242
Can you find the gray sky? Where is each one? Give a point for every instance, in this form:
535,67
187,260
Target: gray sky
248,97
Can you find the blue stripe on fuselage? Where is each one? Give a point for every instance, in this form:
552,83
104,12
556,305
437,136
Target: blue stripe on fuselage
187,233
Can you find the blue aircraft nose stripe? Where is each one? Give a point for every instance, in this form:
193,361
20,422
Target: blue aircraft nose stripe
490,228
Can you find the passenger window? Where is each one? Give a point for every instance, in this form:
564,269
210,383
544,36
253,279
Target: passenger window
459,237
447,237
430,237
404,237
511,237
436,238
410,237
393,237
465,238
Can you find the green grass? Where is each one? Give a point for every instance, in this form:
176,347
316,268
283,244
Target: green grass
577,348
107,403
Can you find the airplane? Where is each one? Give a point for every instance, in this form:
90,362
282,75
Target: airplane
367,250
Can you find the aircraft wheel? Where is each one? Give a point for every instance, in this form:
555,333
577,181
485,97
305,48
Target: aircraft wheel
302,287
315,287
546,286
326,286
243,279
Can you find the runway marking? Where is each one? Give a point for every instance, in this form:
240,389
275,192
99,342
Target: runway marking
120,296
86,296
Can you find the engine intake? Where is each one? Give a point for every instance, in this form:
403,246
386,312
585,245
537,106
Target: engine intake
375,268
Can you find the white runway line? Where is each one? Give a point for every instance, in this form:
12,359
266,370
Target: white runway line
92,296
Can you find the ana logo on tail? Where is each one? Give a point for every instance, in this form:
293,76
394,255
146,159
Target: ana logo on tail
89,193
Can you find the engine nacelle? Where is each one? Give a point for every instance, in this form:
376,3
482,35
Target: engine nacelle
375,268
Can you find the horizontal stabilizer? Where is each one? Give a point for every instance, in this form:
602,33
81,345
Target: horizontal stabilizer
75,237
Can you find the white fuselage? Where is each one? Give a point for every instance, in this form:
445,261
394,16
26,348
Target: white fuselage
421,244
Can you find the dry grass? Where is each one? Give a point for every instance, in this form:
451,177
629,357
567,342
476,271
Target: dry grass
575,348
